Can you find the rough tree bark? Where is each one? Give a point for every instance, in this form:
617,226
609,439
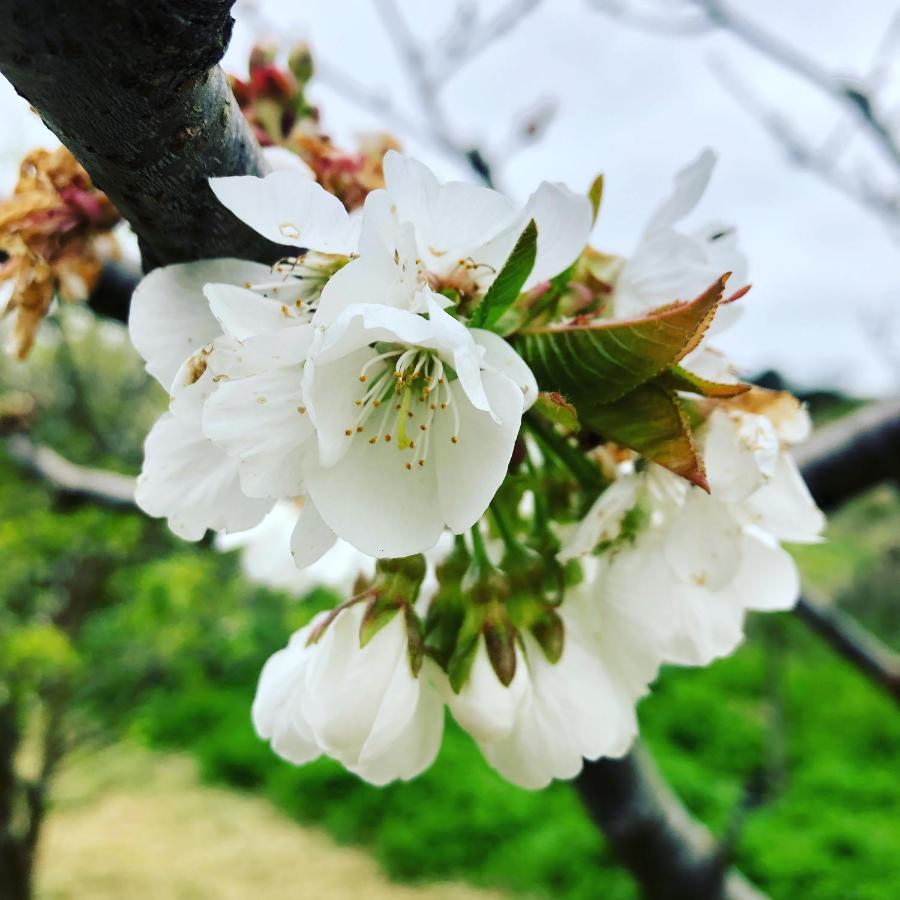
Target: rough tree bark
134,91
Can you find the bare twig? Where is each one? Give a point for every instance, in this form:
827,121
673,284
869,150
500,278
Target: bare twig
819,161
108,488
855,97
851,94
856,644
682,20
471,39
426,88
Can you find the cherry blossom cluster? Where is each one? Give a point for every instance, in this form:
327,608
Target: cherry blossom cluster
517,457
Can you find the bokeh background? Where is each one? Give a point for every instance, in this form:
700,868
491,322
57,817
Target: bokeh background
163,790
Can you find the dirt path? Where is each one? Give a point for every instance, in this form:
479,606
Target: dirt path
129,824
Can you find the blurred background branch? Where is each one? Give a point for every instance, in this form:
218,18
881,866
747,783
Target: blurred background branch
856,97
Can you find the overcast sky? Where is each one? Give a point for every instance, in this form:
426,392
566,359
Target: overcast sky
637,106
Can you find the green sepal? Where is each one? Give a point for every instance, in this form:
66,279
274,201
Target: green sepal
463,656
595,195
415,640
549,632
500,642
379,612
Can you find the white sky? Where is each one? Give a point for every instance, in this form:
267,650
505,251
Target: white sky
637,106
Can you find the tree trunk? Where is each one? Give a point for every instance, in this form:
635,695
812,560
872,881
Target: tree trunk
15,860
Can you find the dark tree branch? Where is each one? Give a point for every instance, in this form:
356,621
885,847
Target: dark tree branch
672,856
853,454
111,296
133,90
857,645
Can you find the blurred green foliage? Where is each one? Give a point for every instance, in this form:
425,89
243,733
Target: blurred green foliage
165,640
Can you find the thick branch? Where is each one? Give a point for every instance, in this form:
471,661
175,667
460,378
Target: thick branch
849,456
671,855
133,90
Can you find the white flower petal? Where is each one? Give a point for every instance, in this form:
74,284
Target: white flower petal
500,356
331,390
193,483
416,747
288,208
353,691
170,319
689,186
740,453
231,358
368,279
564,220
370,499
266,557
484,706
451,220
311,538
703,543
243,313
471,470
785,508
261,421
278,158
768,579
604,520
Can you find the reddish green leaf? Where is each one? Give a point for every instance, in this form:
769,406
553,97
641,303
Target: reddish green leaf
679,379
599,362
651,421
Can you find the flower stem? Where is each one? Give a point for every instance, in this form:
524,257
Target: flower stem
479,550
587,475
507,533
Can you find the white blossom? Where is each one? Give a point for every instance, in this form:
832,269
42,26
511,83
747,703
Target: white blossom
361,706
415,419
583,706
700,561
668,264
484,706
417,231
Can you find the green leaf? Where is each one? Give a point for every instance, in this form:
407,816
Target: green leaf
652,421
555,408
509,283
601,361
595,195
679,379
